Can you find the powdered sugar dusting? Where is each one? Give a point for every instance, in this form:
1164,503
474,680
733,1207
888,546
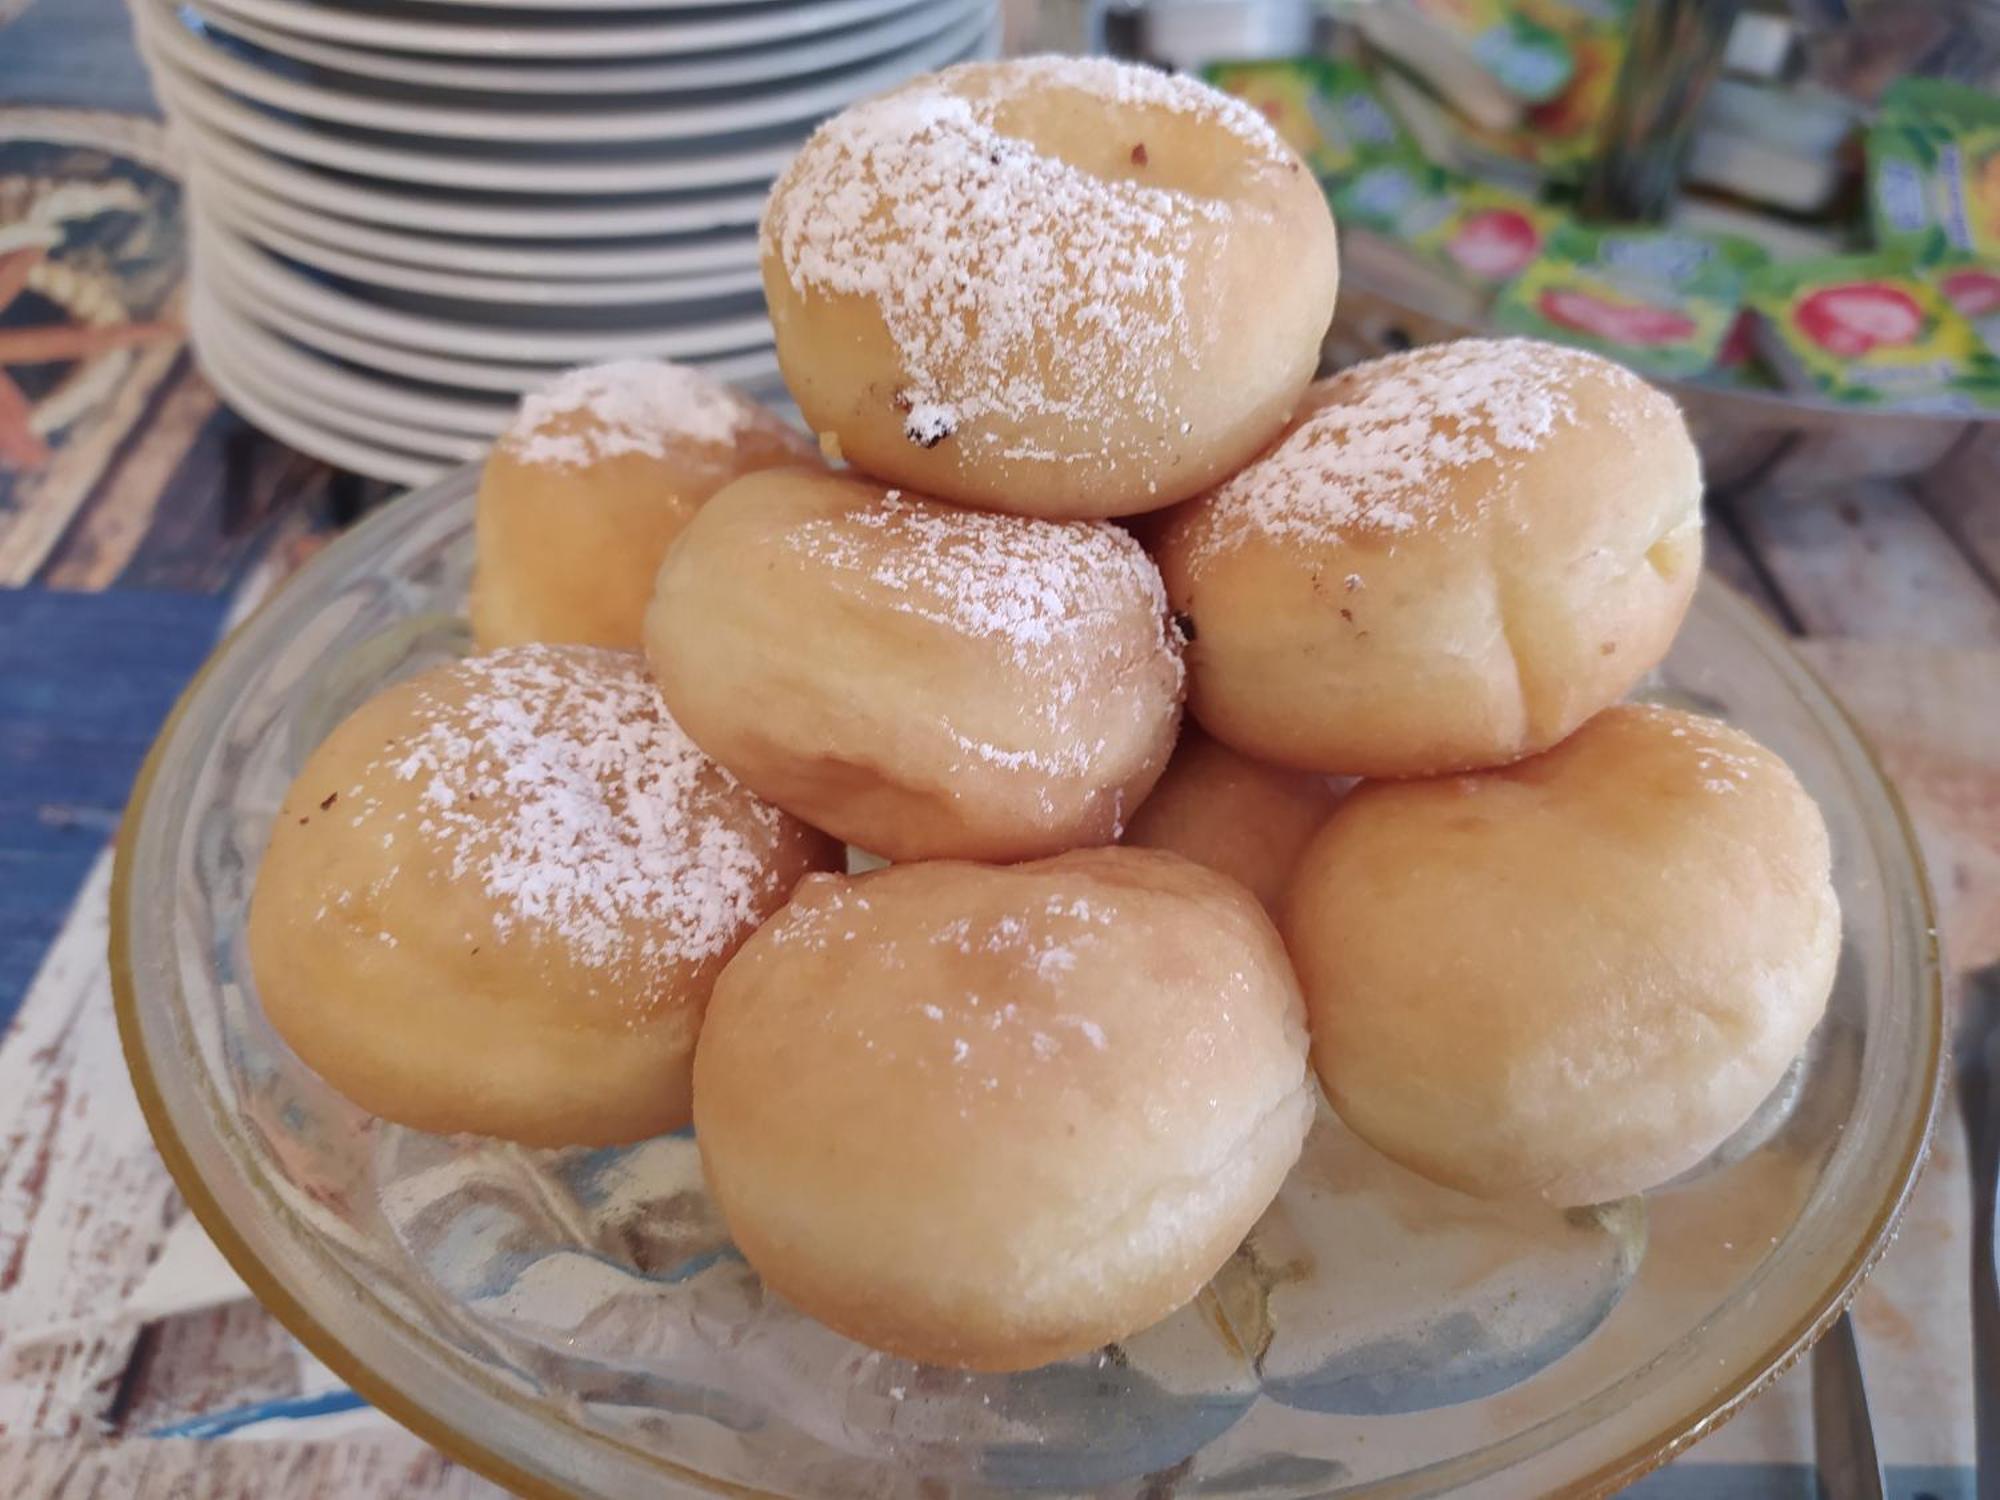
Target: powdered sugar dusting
1379,452
1048,593
1011,999
1720,768
562,788
626,406
1015,285
1028,583
1042,591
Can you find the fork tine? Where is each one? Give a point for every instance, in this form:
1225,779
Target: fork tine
1976,1052
1843,1431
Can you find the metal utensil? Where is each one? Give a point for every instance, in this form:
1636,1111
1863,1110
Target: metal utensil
1978,1064
1843,1432
1674,54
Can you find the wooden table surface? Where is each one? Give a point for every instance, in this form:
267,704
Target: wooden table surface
127,535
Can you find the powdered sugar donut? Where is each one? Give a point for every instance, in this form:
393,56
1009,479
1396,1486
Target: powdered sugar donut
921,680
497,895
1047,285
989,1117
1572,978
1453,558
598,473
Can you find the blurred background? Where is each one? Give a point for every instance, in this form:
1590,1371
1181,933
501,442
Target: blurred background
381,221
265,263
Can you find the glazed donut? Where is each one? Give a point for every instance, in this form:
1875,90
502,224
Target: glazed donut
582,494
1237,816
497,895
920,680
992,1116
1573,978
1046,285
1452,559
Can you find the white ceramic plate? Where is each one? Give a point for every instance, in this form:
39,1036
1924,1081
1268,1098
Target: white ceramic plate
352,101
621,5
713,70
518,37
309,435
341,388
247,216
563,171
304,383
566,336
666,258
430,412
546,6
755,368
244,302
485,215
402,436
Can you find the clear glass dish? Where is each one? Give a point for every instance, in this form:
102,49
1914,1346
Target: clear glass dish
576,1323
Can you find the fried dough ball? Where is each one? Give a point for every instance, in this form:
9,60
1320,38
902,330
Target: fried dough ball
597,475
497,895
1054,286
1237,816
1573,978
921,680
993,1116
1454,558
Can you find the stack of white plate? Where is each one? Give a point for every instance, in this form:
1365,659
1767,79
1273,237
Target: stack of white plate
408,211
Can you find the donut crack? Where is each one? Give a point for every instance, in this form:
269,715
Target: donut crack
1506,618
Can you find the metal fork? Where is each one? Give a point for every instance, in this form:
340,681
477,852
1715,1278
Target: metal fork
1843,1432
1977,1057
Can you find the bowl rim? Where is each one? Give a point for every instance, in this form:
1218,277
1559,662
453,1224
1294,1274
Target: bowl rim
1826,1305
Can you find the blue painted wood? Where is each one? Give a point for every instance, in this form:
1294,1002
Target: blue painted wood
85,681
77,53
296,1412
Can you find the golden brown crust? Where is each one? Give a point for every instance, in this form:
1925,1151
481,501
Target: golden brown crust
580,499
990,1117
1572,978
1454,558
1237,816
1044,285
920,680
497,895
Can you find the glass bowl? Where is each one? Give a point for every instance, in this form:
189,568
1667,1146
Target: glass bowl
577,1324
